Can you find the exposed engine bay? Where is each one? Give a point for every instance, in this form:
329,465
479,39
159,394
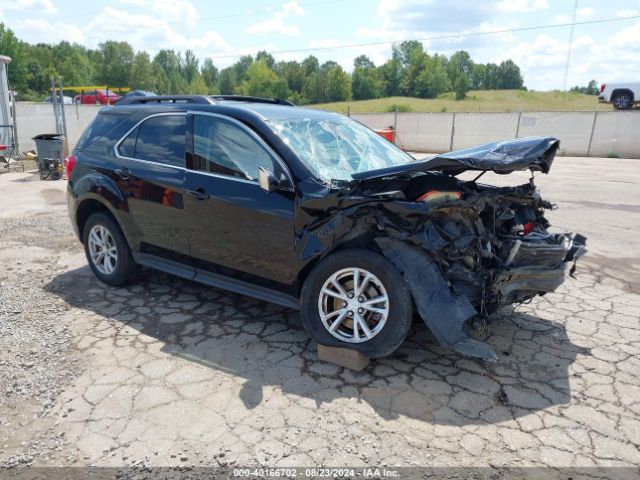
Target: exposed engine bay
466,249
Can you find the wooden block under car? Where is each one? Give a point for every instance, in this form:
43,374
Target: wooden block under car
345,357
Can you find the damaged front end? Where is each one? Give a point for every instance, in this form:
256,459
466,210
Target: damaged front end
465,249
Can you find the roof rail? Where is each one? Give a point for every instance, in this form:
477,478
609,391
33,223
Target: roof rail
247,98
202,99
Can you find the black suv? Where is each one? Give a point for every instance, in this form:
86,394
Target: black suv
314,211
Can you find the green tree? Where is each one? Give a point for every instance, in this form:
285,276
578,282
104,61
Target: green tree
142,77
491,77
227,81
338,84
433,80
262,82
310,65
478,76
293,73
509,75
190,66
461,86
241,67
198,86
116,59
363,61
210,76
390,74
167,66
11,46
365,83
460,63
267,58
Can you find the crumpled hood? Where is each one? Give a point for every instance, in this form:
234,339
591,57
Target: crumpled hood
532,153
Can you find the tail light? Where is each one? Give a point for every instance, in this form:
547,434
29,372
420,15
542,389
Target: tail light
602,87
69,163
4,147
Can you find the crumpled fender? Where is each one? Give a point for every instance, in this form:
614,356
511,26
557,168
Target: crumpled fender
444,312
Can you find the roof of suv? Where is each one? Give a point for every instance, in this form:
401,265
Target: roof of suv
264,108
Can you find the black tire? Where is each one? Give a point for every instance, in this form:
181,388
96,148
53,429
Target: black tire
125,267
400,306
622,101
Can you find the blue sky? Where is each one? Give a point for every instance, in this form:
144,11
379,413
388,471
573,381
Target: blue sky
224,29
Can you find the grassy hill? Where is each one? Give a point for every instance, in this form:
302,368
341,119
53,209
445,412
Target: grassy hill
476,101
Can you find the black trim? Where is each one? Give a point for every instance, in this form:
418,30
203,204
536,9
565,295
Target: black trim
247,98
216,280
201,99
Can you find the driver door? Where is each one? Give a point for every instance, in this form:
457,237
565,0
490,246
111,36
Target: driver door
235,224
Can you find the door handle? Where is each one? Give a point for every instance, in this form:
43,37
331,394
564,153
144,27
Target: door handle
198,194
123,173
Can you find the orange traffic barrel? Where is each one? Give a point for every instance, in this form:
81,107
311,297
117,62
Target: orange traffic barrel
388,133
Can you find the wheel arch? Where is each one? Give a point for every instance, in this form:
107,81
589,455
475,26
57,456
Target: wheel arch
618,91
364,242
88,207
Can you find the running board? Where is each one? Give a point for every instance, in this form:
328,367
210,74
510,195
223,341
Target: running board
215,280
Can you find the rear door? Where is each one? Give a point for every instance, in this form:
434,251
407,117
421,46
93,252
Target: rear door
235,224
152,174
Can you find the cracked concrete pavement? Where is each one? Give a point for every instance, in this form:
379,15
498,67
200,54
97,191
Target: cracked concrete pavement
169,372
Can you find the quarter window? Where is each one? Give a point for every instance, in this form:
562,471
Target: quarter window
159,139
221,147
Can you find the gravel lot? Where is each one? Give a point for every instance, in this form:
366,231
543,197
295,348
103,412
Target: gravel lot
168,372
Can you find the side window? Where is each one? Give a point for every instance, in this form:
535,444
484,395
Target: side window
221,147
161,139
128,145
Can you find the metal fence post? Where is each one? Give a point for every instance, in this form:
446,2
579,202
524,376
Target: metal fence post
395,125
518,126
348,110
453,129
593,127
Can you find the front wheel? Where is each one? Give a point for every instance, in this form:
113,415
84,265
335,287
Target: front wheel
357,299
107,250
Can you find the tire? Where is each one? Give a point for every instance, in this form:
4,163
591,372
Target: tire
112,271
387,327
622,101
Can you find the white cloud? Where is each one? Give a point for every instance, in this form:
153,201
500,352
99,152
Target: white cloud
151,33
278,23
43,30
627,38
174,11
41,6
520,6
273,25
584,12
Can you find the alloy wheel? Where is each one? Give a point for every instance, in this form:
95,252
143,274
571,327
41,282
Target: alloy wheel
353,305
102,249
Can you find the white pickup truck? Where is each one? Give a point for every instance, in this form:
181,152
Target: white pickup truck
622,95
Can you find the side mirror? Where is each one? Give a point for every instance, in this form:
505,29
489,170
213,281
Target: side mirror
267,179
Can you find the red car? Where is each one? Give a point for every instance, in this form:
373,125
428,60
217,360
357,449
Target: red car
97,97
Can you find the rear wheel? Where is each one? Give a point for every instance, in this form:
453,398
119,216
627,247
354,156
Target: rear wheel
107,250
622,101
357,299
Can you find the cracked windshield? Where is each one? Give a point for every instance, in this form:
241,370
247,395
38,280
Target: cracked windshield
337,148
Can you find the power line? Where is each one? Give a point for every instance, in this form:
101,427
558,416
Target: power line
438,37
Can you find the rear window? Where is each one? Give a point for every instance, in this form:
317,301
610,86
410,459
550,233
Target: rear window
100,126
